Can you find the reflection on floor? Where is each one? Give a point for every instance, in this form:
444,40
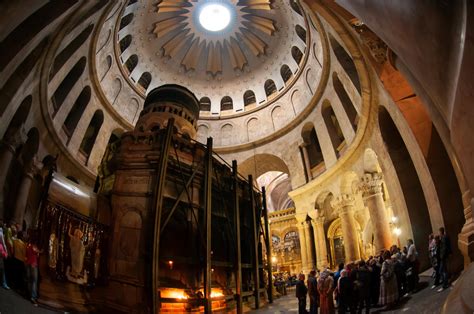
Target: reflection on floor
424,301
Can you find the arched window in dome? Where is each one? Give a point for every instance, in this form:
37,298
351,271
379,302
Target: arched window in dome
249,98
127,19
67,52
333,127
131,63
76,112
144,81
286,73
311,145
345,100
226,103
205,104
15,80
90,136
295,6
67,84
270,88
297,54
125,43
131,2
346,62
301,32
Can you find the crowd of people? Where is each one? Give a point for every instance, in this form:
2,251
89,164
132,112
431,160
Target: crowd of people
380,281
19,256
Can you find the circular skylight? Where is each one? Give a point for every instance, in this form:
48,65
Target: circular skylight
214,17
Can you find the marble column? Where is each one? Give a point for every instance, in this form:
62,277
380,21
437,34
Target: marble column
22,198
372,192
320,242
309,246
7,152
345,207
301,234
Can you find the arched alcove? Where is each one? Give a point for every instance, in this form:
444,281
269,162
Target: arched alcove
205,104
127,19
76,112
345,100
333,127
301,32
131,63
312,146
30,148
296,7
125,42
70,49
285,73
19,118
270,87
296,54
249,98
67,84
346,62
107,66
226,103
90,136
261,163
144,81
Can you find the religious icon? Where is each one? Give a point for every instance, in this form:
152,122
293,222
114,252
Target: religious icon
75,272
53,250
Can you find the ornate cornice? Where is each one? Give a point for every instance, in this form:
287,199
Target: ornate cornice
371,184
344,203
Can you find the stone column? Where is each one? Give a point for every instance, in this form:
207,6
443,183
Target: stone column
22,198
7,153
345,206
320,242
304,149
372,192
309,246
301,233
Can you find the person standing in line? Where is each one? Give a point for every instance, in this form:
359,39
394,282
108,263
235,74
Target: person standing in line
412,257
388,285
444,253
435,260
301,292
3,257
313,292
32,256
325,289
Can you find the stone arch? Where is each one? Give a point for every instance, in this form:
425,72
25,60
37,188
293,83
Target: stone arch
345,100
65,54
117,88
310,77
253,129
332,125
90,136
67,84
76,112
312,146
323,202
18,119
134,109
259,164
107,39
345,61
371,161
202,133
108,66
227,134
279,118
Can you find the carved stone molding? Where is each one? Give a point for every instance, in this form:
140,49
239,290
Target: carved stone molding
371,184
344,203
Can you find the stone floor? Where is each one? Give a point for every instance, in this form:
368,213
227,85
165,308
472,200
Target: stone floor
424,301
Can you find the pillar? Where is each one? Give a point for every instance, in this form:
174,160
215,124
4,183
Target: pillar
372,192
22,198
304,149
309,246
301,234
7,153
320,242
345,207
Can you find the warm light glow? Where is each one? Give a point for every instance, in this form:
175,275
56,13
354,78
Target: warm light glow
394,219
274,259
397,231
215,292
214,17
174,294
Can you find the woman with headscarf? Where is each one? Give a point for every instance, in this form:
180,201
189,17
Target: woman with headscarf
325,288
388,283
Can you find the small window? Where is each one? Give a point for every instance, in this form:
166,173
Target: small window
249,98
205,104
226,103
270,88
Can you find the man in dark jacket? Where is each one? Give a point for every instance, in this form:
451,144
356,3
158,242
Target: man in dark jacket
301,292
313,292
444,253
